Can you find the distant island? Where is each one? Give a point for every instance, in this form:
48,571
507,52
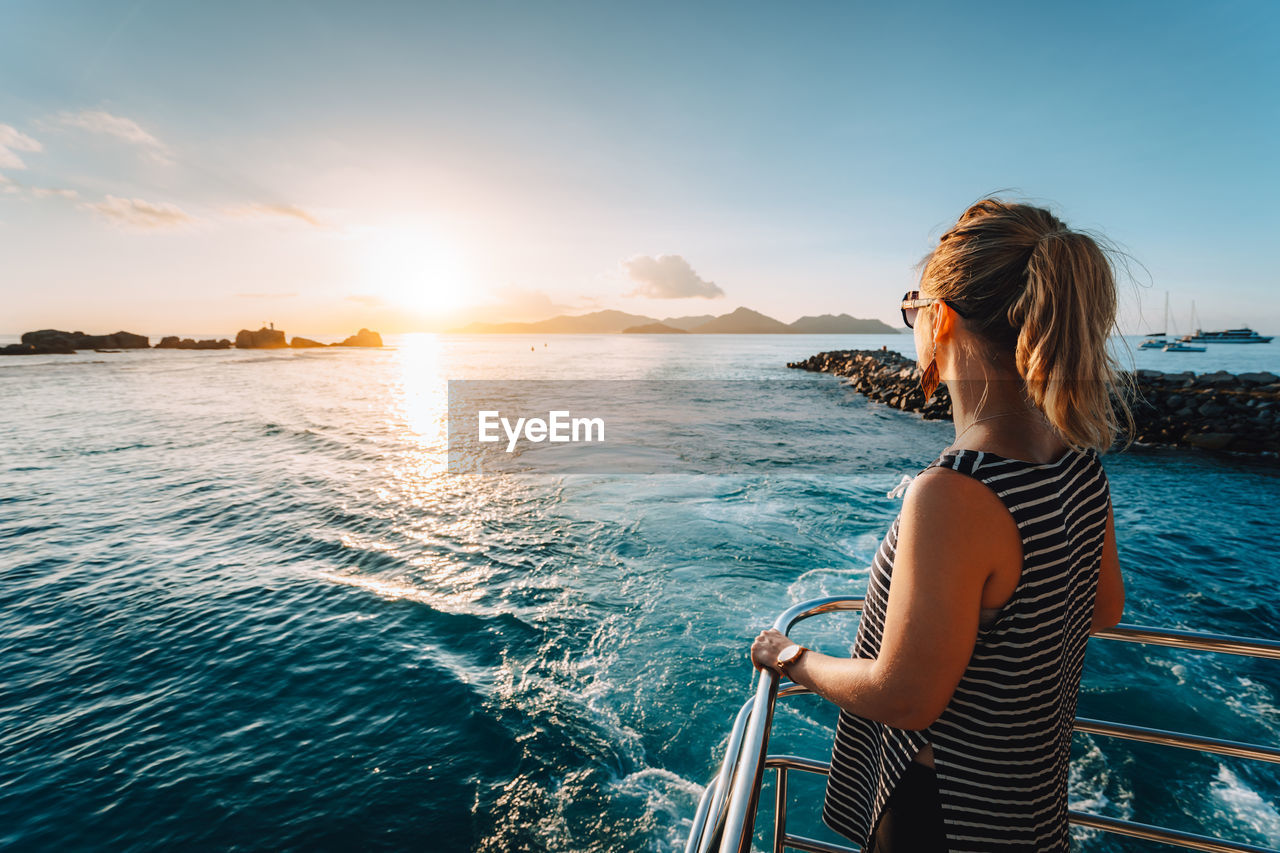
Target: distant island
743,321
654,329
56,341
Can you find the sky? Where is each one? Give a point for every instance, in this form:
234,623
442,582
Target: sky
197,168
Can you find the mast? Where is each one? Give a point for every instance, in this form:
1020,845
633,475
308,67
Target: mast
1165,327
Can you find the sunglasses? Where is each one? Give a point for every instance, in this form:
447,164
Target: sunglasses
912,302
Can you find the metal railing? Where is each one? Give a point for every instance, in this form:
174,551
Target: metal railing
725,819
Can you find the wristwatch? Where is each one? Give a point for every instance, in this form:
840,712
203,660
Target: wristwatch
788,656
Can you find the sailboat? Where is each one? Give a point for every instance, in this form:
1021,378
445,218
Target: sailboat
1153,338
1184,343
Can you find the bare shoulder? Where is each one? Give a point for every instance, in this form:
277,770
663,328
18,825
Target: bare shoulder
942,496
954,527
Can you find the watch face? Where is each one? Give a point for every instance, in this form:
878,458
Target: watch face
789,654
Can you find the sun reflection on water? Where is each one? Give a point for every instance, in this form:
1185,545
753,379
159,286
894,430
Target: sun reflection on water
423,395
455,602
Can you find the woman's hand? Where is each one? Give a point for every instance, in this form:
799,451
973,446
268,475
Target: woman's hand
767,647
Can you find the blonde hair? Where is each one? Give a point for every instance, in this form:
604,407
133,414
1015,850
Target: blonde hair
1032,287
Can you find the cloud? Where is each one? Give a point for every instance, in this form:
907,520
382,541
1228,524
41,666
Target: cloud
288,211
99,121
266,295
138,213
46,192
106,124
12,140
368,300
667,277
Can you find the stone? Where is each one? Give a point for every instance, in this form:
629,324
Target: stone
1264,378
301,343
1211,440
1211,409
1217,379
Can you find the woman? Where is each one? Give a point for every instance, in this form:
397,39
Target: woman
957,705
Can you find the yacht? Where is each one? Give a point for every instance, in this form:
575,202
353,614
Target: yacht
1183,344
1243,335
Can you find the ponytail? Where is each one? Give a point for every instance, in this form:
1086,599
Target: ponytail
1048,294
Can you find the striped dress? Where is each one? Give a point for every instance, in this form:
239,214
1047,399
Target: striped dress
1002,745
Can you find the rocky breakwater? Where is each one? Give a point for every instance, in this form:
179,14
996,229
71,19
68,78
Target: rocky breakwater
1213,411
883,376
57,341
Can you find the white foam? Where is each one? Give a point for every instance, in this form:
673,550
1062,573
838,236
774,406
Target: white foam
863,547
1255,702
1243,805
1095,788
819,583
670,801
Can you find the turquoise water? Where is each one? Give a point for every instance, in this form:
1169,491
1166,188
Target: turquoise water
245,606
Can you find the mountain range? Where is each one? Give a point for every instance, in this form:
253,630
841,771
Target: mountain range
743,321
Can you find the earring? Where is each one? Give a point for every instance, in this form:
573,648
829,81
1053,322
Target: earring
929,380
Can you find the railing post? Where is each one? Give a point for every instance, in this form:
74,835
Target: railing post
745,794
714,825
740,823
780,811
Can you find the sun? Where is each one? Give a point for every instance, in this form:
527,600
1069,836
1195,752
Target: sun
411,268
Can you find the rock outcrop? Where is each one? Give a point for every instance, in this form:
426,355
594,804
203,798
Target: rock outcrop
58,341
174,342
59,347
1212,411
264,338
362,338
301,343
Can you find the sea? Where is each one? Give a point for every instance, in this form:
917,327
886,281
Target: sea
248,606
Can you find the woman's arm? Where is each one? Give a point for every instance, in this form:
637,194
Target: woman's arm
1109,606
954,536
